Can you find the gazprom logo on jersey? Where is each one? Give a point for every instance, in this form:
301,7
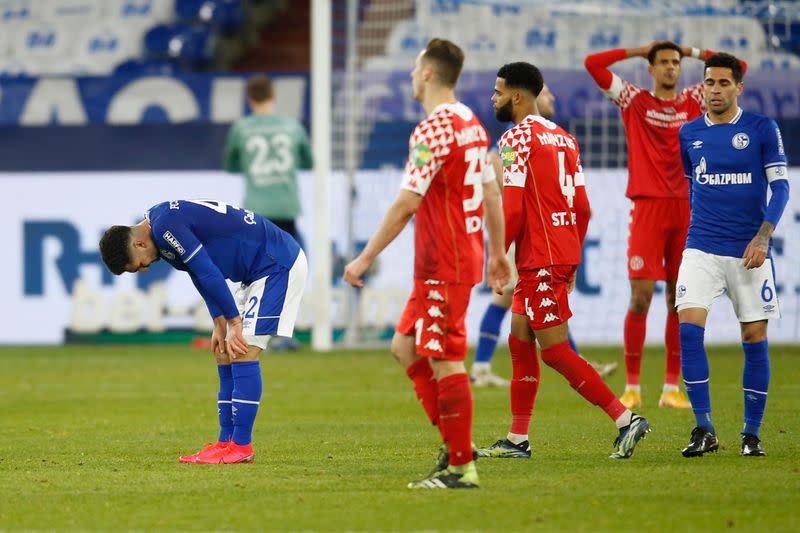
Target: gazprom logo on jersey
727,178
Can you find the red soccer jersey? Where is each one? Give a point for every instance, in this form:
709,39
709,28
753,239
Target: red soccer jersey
652,124
544,197
447,166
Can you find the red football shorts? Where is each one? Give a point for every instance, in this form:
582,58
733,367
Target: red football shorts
436,314
542,296
656,237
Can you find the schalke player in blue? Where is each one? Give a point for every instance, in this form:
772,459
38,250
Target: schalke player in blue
212,241
731,157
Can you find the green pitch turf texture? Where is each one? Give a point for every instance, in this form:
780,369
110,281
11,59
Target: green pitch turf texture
91,436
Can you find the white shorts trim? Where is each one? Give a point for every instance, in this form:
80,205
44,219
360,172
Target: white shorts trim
704,277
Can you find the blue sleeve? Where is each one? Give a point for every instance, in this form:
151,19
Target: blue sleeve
213,309
777,203
206,276
772,153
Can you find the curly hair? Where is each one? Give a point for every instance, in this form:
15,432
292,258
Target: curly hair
114,248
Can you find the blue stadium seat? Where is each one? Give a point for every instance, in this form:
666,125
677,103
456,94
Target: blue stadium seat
223,14
139,13
145,67
189,43
16,11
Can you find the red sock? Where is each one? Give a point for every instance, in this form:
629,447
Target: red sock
635,332
455,408
672,340
524,383
583,378
427,389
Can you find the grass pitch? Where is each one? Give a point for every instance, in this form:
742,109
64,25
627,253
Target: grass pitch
91,436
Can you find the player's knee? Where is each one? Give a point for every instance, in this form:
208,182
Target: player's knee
403,350
640,300
755,334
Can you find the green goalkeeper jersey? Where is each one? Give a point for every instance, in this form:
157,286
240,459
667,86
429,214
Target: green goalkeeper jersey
268,150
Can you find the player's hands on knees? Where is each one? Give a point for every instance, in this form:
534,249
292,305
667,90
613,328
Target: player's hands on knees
354,270
755,253
235,343
498,273
218,336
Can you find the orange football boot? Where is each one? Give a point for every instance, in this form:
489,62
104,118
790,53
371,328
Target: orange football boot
210,449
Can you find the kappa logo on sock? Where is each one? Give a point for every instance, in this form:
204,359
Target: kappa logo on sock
435,295
434,345
435,312
549,317
542,273
435,329
529,379
543,287
547,302
432,282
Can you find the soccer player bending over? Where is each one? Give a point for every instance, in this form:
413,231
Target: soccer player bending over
659,216
212,241
730,157
546,215
445,183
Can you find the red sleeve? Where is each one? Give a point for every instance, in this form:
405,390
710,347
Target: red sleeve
710,53
583,212
512,212
597,65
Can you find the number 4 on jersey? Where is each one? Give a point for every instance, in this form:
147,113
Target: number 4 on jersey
567,181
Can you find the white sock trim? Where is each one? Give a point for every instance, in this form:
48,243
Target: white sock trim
637,388
251,402
624,419
516,438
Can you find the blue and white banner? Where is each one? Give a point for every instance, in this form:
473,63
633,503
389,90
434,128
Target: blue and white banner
52,277
119,100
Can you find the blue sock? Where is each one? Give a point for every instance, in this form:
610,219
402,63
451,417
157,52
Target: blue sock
755,382
224,402
694,365
572,342
490,331
246,397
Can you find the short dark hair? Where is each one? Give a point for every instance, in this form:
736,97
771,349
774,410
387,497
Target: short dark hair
114,248
723,60
259,89
448,59
522,75
665,45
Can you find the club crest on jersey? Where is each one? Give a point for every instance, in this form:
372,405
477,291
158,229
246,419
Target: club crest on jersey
170,238
174,204
508,155
421,155
681,291
637,263
167,254
740,141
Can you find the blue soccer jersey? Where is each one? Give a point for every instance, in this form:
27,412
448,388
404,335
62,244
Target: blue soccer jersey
214,241
730,166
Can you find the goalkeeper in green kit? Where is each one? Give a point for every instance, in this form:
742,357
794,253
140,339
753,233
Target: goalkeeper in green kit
267,149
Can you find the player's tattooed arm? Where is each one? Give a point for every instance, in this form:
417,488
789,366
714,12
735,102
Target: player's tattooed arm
756,251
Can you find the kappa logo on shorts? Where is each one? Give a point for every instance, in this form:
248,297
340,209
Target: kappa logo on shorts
434,345
637,263
546,302
549,317
681,291
435,295
435,312
543,287
170,238
542,273
435,329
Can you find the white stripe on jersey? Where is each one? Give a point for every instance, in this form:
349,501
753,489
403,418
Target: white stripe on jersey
514,179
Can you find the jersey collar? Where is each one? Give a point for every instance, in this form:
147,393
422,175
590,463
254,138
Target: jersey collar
734,120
